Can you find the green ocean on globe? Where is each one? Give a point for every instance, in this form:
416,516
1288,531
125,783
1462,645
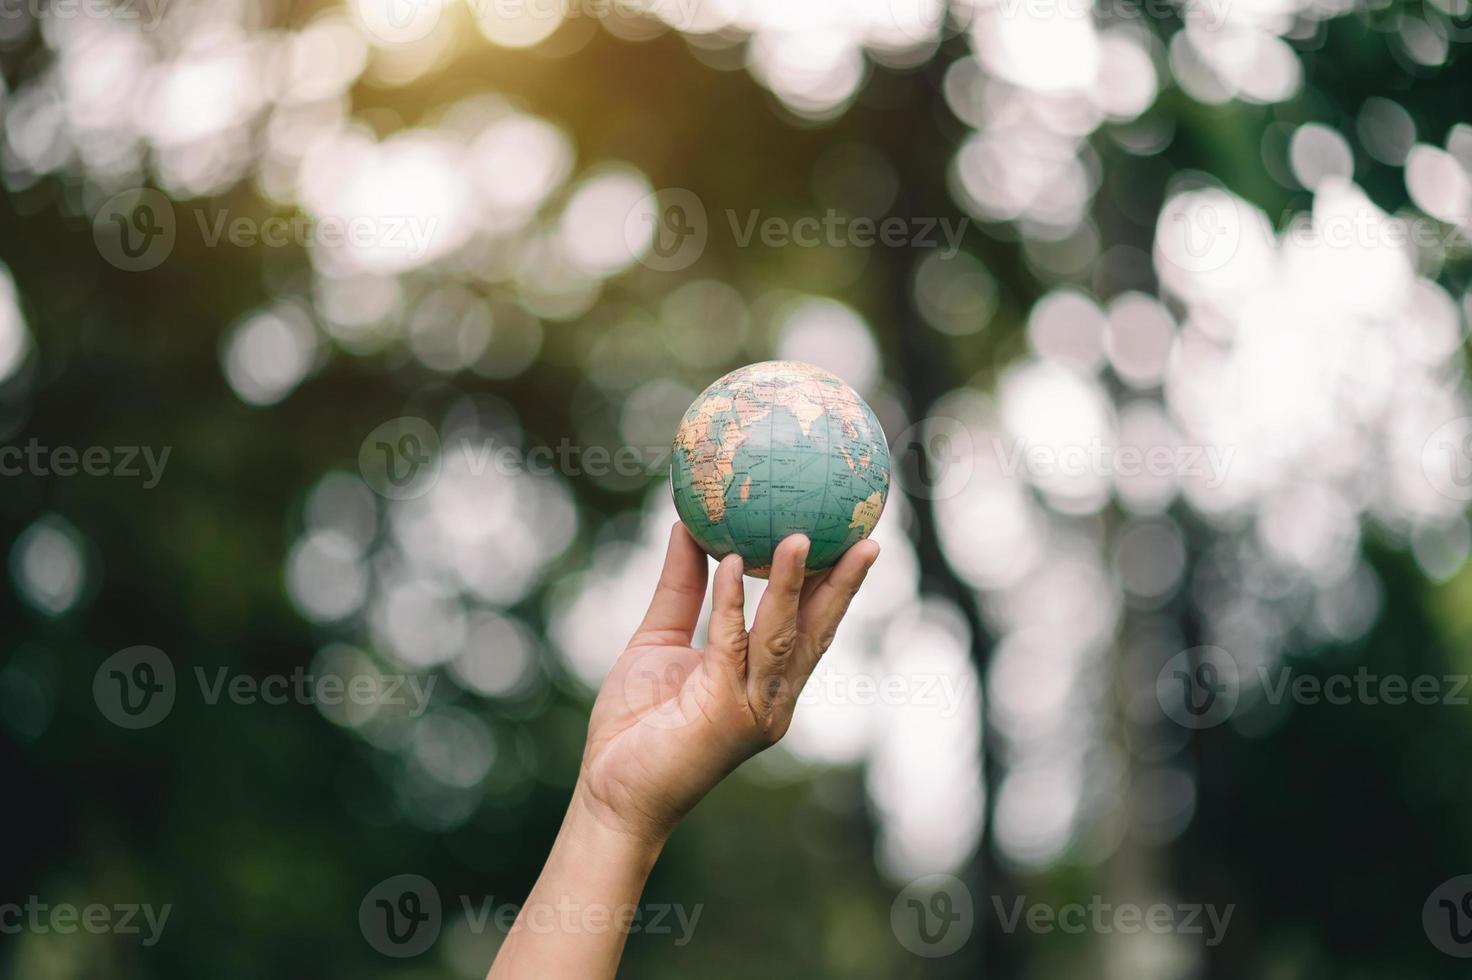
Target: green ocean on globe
779,448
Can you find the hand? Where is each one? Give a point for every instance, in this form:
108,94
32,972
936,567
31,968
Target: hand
671,721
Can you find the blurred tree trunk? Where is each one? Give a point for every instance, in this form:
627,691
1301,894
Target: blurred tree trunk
915,142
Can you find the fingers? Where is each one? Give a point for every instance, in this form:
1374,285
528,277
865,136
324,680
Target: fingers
774,630
677,598
810,585
823,607
728,641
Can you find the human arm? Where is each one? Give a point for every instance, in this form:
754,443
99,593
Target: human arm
670,722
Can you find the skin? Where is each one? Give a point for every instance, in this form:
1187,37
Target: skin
670,722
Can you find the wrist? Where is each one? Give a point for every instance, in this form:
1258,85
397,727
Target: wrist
595,831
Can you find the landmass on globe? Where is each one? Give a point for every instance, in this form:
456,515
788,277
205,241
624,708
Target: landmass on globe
779,448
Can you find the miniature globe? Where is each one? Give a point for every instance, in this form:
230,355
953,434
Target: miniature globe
779,448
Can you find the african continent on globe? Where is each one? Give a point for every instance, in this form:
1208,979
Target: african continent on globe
779,448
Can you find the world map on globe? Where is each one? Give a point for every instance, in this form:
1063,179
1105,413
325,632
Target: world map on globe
779,448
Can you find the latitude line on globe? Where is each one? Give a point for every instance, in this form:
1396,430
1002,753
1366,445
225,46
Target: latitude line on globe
771,474
827,456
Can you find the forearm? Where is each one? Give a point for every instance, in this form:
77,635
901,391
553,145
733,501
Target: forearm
578,915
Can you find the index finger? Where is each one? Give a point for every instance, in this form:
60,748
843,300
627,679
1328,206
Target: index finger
774,628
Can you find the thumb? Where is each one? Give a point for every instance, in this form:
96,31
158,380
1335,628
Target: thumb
728,638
